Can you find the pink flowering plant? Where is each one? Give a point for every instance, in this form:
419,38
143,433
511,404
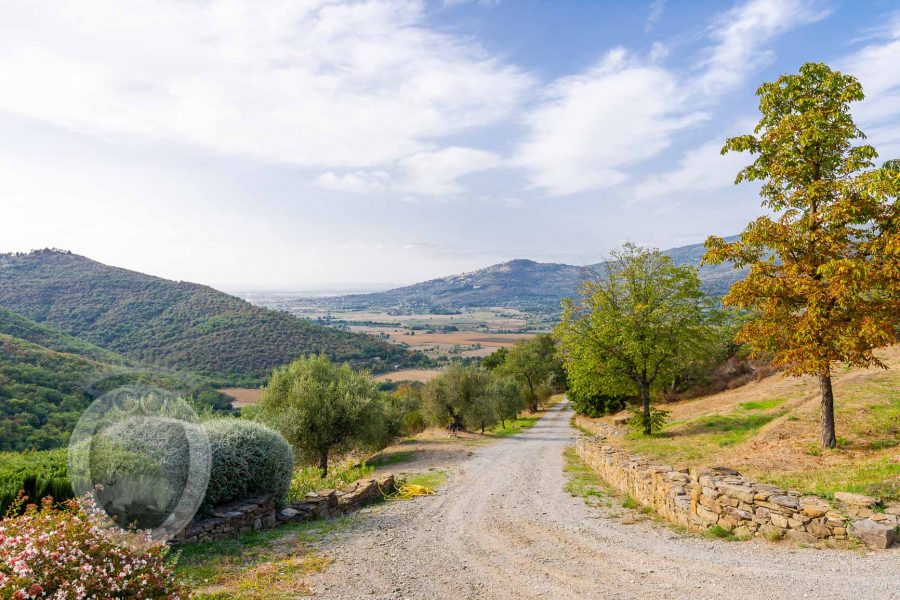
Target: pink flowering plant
58,552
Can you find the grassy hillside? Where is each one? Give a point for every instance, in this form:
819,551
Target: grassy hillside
47,378
175,324
769,430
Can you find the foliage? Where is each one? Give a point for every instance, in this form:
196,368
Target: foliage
535,364
506,398
38,474
595,405
248,459
495,359
459,396
824,271
309,479
47,378
645,322
643,422
175,324
59,553
321,407
403,411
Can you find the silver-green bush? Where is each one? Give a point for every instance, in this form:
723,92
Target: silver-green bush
248,459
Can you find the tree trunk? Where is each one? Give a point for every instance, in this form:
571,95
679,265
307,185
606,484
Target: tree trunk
645,401
829,439
323,462
482,427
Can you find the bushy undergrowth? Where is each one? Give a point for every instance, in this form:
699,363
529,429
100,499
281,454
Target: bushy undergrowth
639,422
595,405
248,459
50,552
309,478
38,474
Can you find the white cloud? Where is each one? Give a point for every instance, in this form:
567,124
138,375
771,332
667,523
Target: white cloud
701,169
316,83
655,14
360,182
878,68
592,126
739,35
437,173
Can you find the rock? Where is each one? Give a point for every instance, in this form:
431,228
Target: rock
725,471
786,501
872,534
856,499
741,492
771,532
737,513
289,513
707,515
818,529
801,537
814,507
779,521
893,509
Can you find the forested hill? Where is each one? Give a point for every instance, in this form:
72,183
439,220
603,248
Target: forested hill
179,325
527,283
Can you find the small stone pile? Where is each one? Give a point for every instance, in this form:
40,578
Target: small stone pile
701,498
258,514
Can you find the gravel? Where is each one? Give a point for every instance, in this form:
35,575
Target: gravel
503,527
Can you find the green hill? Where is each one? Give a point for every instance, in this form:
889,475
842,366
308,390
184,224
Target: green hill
179,325
47,378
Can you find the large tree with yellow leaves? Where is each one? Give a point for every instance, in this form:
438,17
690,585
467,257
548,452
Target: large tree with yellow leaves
824,280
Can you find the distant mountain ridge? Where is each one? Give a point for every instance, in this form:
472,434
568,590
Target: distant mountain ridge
526,283
178,325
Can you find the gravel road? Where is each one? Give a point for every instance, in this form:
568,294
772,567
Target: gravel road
503,527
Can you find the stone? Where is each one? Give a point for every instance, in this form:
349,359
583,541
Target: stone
779,521
893,509
872,534
706,515
741,492
801,537
726,471
818,528
771,532
737,513
795,523
289,513
786,501
709,492
814,507
856,499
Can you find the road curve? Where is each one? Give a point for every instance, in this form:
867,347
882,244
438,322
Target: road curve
504,528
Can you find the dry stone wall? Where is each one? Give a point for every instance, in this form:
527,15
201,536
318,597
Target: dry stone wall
258,514
701,498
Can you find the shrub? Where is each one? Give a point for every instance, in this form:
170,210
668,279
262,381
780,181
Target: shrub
38,474
595,405
50,552
248,459
654,422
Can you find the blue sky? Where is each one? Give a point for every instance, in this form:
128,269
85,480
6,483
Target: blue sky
295,145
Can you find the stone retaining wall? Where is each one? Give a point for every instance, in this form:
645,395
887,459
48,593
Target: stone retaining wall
258,514
700,498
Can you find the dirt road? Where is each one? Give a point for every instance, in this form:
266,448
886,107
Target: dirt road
504,528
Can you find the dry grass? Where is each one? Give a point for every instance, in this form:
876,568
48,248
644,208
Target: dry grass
422,375
242,396
769,430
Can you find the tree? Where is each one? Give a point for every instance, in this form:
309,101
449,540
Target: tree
824,270
635,327
321,407
495,359
533,362
459,396
506,398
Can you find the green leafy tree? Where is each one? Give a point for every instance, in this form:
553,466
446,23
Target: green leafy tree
495,359
824,269
645,320
507,399
460,396
534,362
321,407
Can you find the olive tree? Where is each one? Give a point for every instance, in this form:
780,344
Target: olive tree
321,407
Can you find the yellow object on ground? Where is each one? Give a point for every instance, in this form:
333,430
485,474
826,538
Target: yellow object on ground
406,491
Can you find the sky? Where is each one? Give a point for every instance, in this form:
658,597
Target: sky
316,144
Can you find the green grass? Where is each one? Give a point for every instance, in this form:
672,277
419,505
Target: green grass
433,478
629,502
762,404
308,478
261,565
717,531
391,458
583,481
38,473
696,439
515,426
879,477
